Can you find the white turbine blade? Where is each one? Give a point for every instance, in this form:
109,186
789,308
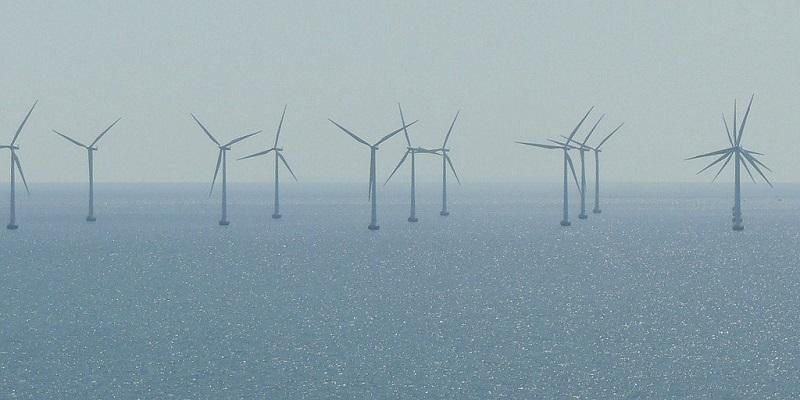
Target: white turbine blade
572,168
713,153
751,152
353,135
744,120
206,131
371,179
449,131
260,153
592,130
104,132
756,160
21,174
730,155
405,131
571,135
216,171
280,124
609,136
755,165
69,138
24,121
240,138
452,168
287,166
387,137
746,168
402,160
544,146
713,163
562,144
728,131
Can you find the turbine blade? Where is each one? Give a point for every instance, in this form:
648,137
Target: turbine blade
104,132
755,165
21,174
402,160
452,168
746,168
713,153
728,131
240,138
206,131
572,168
69,138
405,131
713,163
571,135
744,120
756,160
592,130
387,137
280,124
609,136
562,144
353,135
24,121
287,166
544,146
730,155
449,131
260,153
216,171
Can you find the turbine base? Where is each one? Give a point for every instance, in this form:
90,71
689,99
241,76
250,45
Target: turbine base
444,213
597,211
91,219
738,228
583,216
224,223
374,227
11,227
566,223
413,219
276,216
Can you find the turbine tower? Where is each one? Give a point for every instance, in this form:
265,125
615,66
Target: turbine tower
373,148
597,152
222,160
278,157
741,157
567,165
15,164
413,152
90,149
442,151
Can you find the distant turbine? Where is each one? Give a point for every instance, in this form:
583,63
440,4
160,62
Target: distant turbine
278,156
413,151
567,165
90,149
445,162
741,157
15,164
222,159
582,148
373,224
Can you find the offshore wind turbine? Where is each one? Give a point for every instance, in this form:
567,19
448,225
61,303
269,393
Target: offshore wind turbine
222,160
741,157
442,151
90,149
15,164
583,148
413,152
373,148
597,152
565,147
278,157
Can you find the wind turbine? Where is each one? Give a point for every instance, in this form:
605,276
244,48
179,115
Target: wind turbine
597,152
15,164
442,151
278,157
373,148
582,148
90,149
741,157
413,152
222,159
565,147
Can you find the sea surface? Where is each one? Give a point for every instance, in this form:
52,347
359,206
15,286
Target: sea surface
655,298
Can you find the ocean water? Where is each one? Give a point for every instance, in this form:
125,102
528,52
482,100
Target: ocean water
656,298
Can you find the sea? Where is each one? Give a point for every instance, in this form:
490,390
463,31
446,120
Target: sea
655,298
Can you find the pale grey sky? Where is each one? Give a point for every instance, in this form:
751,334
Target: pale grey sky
516,70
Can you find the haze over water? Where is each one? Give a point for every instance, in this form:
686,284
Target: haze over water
654,298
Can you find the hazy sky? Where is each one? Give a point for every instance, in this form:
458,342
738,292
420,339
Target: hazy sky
516,70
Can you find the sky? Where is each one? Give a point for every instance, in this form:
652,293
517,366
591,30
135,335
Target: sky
516,71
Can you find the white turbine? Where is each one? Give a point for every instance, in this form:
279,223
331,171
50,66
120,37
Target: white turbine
373,148
90,149
16,165
442,151
222,160
278,157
